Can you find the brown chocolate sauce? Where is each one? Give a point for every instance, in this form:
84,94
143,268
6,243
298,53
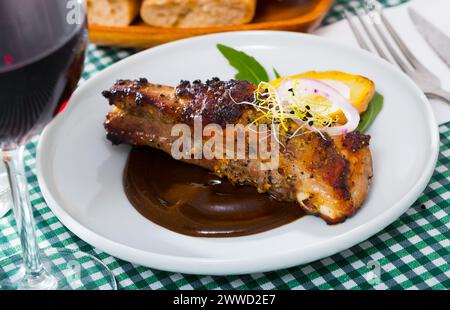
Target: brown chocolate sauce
193,201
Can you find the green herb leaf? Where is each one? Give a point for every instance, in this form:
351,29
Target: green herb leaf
367,118
248,67
277,75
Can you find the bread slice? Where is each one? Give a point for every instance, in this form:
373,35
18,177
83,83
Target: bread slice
112,12
197,13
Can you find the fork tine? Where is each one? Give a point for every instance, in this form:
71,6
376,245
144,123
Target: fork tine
388,44
361,41
406,51
370,35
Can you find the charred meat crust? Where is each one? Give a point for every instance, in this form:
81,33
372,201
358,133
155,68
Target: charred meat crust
134,95
215,100
333,167
124,88
354,141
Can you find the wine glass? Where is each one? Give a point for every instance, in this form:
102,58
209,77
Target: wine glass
42,51
5,198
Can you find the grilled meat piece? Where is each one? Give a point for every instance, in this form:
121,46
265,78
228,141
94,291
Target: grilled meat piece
327,176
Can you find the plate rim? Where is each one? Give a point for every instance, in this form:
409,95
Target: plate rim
235,266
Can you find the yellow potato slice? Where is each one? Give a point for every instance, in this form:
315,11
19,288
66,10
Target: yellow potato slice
361,88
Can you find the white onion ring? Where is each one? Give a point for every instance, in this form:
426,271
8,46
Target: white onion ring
311,86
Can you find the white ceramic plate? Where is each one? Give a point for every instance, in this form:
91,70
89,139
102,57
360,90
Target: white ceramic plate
80,173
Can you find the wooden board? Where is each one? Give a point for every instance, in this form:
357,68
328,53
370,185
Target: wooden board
292,15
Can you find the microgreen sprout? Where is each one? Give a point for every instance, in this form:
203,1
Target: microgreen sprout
310,112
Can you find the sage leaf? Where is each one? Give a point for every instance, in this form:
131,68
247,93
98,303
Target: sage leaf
248,67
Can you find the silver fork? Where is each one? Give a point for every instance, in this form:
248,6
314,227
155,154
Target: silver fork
427,81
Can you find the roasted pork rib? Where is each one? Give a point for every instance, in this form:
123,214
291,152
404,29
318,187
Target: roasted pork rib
327,176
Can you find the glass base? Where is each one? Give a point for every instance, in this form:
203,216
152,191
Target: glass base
63,270
5,194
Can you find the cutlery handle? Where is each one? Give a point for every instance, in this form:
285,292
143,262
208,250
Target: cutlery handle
440,94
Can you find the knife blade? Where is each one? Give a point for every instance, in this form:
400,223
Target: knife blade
438,41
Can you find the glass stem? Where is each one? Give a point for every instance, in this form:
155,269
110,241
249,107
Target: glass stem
35,273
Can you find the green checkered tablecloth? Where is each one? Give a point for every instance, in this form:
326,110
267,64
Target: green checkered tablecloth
413,252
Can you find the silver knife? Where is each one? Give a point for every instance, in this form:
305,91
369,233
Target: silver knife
434,36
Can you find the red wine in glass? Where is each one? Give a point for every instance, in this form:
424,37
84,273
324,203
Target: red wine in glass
42,50
42,60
